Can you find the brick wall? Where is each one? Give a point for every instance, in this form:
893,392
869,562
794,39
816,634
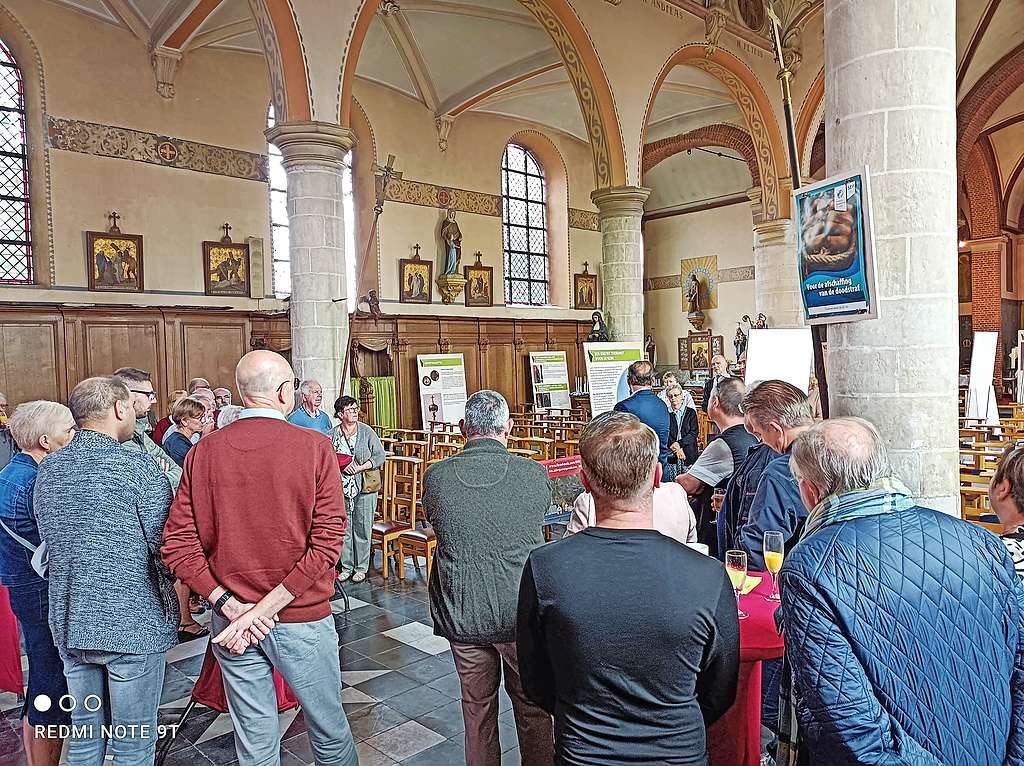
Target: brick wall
726,136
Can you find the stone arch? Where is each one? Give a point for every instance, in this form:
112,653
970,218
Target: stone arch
810,119
582,64
30,62
282,46
556,178
1014,197
720,134
981,102
757,113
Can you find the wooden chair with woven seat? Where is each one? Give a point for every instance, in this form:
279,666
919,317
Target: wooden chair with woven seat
415,543
402,487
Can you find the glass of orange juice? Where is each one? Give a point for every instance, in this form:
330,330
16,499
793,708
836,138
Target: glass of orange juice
736,568
774,552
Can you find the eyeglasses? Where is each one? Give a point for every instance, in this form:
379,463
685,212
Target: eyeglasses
295,384
150,394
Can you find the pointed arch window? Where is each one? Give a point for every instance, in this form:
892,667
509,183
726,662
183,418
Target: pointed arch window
15,216
524,228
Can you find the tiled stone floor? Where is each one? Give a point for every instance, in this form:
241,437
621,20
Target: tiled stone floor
399,689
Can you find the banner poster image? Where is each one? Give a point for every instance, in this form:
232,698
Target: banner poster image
606,371
835,253
442,387
549,373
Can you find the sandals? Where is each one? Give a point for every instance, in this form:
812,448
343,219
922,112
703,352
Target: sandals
189,631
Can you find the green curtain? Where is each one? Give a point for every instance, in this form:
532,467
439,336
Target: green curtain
385,408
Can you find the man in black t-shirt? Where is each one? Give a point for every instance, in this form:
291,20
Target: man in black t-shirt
632,666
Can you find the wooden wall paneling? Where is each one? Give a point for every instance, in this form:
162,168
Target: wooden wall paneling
498,359
531,336
562,337
32,357
370,363
416,335
208,345
109,339
462,336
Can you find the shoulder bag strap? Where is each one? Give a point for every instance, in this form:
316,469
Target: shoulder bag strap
18,538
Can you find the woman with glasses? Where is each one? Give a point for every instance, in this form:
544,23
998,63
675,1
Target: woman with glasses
1006,494
189,415
350,437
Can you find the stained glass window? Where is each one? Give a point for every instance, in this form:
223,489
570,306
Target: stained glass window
524,228
281,258
15,219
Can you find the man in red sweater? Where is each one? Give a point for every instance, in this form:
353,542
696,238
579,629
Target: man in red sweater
257,527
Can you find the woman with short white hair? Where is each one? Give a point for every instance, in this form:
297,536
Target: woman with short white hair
39,429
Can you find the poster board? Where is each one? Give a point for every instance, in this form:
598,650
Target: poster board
1020,366
442,387
606,371
981,396
549,375
780,355
835,249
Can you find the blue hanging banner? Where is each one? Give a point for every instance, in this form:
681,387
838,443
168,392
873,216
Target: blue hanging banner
835,250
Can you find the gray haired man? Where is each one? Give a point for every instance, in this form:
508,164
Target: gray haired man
487,508
308,414
113,613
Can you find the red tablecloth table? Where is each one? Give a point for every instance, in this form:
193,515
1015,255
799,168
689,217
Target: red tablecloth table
735,739
11,678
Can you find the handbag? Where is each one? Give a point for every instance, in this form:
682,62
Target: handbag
40,554
371,481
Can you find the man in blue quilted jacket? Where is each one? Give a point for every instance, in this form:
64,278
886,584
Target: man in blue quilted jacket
904,626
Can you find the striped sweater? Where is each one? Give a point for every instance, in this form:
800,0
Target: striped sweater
101,510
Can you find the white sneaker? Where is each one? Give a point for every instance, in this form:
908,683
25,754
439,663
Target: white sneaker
343,576
359,577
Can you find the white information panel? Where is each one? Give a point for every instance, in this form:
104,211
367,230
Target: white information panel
550,375
442,387
780,355
981,396
606,371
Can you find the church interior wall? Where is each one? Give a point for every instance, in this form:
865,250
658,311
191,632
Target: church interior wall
723,232
100,75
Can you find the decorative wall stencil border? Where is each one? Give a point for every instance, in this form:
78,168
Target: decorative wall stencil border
673,281
465,201
583,219
127,144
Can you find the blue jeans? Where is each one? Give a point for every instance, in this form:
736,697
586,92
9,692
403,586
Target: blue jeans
306,655
123,689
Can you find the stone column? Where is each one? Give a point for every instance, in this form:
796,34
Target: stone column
313,154
776,283
621,211
890,77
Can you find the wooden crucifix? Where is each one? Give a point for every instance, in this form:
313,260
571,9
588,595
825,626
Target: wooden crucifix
227,235
113,218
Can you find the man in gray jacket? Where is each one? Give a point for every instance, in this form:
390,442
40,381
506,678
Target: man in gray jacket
487,508
140,385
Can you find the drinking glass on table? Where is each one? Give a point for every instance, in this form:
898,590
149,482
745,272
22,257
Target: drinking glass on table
736,568
774,552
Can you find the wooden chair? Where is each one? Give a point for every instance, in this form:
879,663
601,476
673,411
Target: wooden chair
402,488
703,429
415,543
523,452
541,445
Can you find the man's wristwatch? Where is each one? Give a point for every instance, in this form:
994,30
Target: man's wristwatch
222,601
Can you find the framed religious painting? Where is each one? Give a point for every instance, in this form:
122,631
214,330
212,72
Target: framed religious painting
584,289
699,351
226,267
717,345
684,354
479,284
114,260
415,278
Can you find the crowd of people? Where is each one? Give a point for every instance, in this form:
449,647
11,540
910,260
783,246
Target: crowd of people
620,643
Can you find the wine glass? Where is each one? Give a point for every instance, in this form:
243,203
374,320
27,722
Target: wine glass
736,568
774,552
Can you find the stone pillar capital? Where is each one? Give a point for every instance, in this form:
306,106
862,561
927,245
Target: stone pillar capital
986,244
311,143
615,201
776,231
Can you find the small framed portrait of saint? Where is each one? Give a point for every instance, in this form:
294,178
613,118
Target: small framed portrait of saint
584,290
114,261
479,284
415,278
700,353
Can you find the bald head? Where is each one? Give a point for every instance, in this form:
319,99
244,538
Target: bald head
838,455
719,364
265,379
197,383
